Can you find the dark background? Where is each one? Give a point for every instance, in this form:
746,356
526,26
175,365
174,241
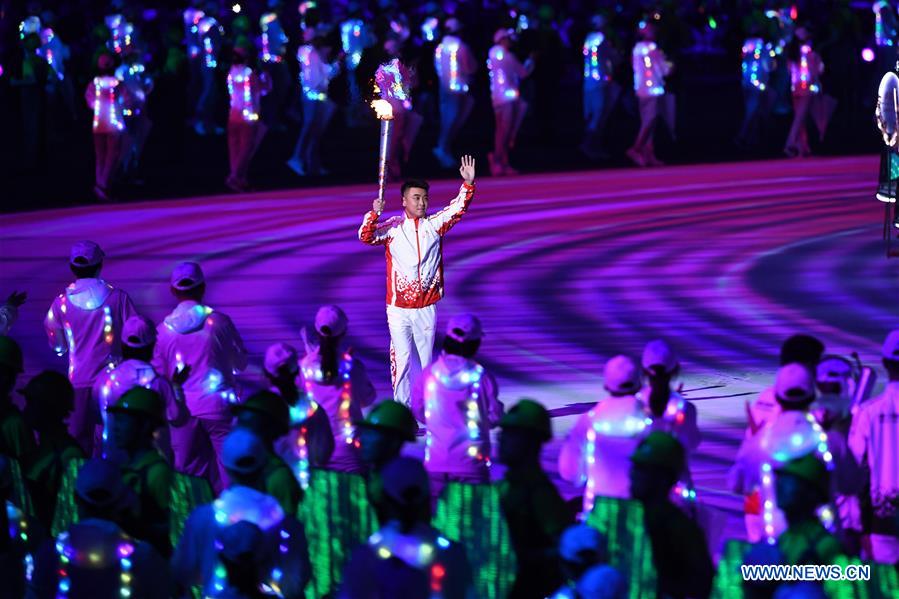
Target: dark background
177,162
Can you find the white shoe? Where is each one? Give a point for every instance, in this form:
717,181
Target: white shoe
296,166
636,157
232,184
443,158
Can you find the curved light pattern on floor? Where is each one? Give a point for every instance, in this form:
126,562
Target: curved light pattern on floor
565,270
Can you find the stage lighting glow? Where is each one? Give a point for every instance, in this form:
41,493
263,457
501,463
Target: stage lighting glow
236,8
868,55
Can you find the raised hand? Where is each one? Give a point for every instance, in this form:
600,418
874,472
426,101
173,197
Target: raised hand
467,169
378,206
179,377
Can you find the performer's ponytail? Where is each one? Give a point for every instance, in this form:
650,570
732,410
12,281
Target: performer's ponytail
328,351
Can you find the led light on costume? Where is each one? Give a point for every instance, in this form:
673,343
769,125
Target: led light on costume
596,67
429,29
472,378
312,376
447,63
299,416
352,41
119,379
244,98
121,33
19,533
648,73
805,73
138,86
772,519
887,111
629,426
196,312
419,553
503,82
192,18
400,28
28,26
309,64
107,103
757,63
273,38
242,503
98,295
53,52
68,554
785,22
208,27
884,28
674,417
522,23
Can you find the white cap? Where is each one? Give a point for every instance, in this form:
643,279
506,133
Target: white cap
280,355
113,21
891,346
86,253
330,321
582,538
30,25
794,383
464,328
622,375
659,353
186,276
502,34
833,369
138,331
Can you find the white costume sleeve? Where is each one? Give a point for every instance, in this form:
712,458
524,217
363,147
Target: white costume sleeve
447,218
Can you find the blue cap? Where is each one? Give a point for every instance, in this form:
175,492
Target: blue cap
243,452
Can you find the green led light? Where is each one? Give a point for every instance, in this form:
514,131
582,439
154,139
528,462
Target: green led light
630,550
472,516
337,517
20,494
728,579
66,511
187,494
713,23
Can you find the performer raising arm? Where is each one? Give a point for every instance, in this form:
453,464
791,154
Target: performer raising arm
414,251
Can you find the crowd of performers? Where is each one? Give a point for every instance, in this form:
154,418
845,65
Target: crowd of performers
265,72
150,470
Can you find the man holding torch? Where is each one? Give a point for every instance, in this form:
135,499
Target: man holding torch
414,251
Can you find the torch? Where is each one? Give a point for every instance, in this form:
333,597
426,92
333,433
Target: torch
391,86
384,112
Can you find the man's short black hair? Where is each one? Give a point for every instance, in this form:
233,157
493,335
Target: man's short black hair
414,183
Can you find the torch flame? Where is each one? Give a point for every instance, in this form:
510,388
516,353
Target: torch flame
383,110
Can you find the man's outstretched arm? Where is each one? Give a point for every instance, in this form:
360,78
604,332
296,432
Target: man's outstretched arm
447,218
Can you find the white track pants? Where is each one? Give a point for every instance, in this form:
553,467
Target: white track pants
411,339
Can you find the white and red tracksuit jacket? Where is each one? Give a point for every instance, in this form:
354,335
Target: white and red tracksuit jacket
414,250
